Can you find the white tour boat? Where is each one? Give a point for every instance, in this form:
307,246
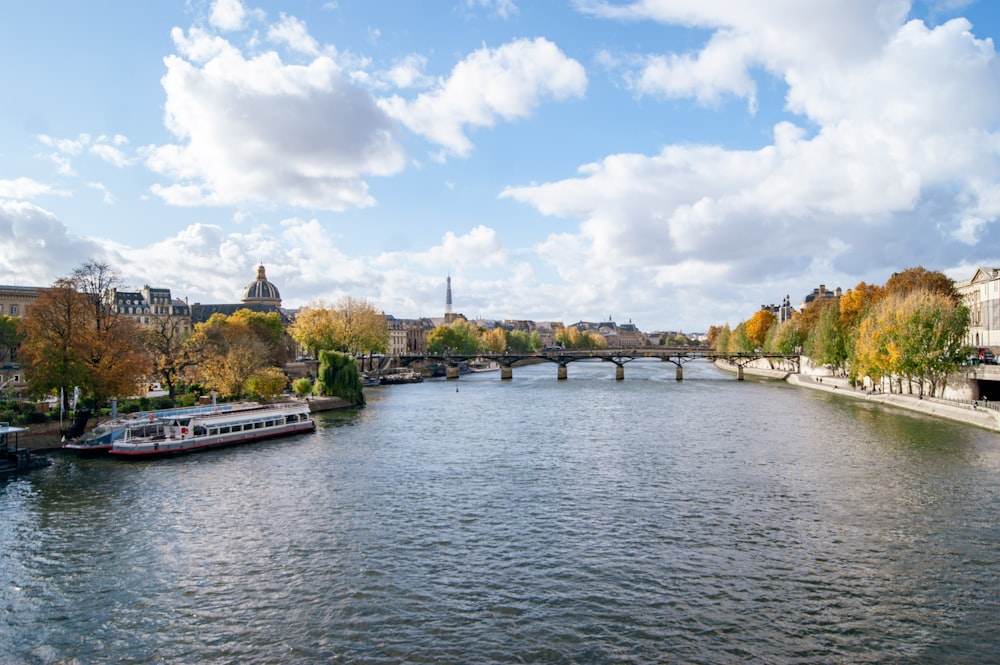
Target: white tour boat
188,433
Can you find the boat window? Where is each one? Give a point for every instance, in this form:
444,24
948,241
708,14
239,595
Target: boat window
199,430
224,429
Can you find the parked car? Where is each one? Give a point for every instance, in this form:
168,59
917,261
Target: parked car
986,356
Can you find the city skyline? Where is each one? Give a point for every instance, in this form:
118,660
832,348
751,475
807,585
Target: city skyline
676,164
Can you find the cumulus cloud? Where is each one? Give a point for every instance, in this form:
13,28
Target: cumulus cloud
256,130
506,83
893,160
35,247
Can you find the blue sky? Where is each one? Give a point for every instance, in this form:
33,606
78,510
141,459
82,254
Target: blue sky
676,163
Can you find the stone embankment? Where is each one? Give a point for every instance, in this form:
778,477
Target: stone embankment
968,412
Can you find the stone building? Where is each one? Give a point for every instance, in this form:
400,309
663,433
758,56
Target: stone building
981,294
151,305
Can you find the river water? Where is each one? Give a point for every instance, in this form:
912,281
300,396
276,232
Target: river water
526,521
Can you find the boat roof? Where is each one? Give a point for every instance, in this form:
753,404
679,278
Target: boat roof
240,414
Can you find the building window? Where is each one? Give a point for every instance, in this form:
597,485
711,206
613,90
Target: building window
13,310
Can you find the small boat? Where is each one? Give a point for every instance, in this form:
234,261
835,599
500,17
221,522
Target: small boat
369,379
481,365
394,377
188,433
17,459
98,441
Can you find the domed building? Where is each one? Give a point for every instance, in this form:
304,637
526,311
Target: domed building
261,292
259,295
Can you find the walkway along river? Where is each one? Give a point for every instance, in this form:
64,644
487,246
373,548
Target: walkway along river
532,520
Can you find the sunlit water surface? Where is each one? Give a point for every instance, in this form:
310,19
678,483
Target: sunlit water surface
532,520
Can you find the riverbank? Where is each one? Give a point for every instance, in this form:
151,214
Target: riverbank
978,416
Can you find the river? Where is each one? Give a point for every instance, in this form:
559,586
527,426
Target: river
525,521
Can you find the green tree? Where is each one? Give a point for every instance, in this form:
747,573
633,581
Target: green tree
825,344
10,337
460,337
338,376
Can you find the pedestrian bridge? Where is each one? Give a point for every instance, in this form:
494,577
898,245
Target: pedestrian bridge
507,361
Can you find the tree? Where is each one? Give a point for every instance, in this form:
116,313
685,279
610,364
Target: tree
338,375
55,343
519,341
96,279
268,328
572,337
266,383
231,350
363,327
315,328
460,337
916,336
170,353
758,326
495,340
921,279
825,343
10,337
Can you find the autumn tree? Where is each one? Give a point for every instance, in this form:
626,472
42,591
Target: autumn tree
913,336
268,328
572,337
758,326
166,341
315,328
56,331
232,350
495,340
921,279
352,325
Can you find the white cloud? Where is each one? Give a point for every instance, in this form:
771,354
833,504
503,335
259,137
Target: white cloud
24,188
895,163
228,15
256,130
292,32
508,83
35,247
480,247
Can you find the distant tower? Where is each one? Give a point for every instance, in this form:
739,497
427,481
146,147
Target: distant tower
447,300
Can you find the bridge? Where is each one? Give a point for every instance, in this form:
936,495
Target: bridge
678,356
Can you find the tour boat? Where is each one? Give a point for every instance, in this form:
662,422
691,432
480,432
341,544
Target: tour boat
98,440
188,433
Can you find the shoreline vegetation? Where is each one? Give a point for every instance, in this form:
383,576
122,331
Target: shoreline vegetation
963,412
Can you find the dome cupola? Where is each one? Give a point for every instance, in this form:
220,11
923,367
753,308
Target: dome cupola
261,291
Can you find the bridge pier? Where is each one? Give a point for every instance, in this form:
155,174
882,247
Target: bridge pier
680,373
562,374
451,372
619,372
506,373
739,372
